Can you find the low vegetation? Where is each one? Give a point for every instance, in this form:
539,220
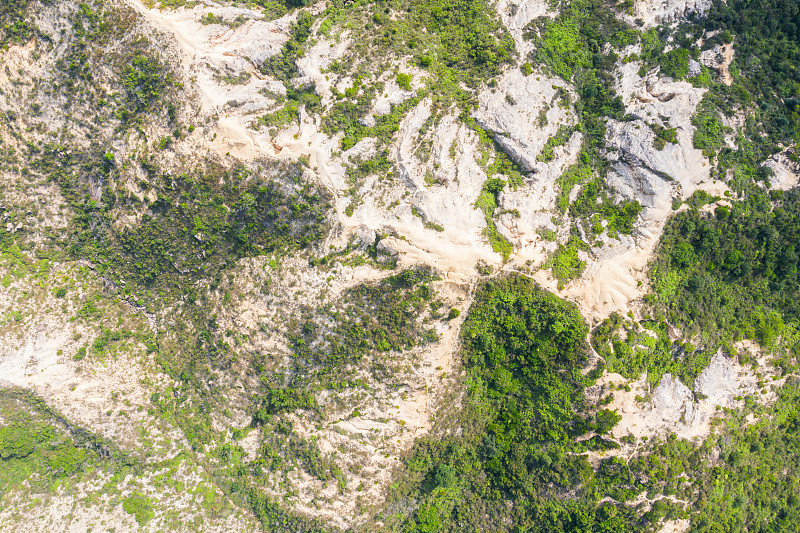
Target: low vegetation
529,450
518,464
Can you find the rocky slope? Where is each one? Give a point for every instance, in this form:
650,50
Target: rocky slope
166,344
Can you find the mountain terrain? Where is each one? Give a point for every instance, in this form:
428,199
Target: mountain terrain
400,265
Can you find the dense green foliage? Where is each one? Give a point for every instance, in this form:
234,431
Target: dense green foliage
517,339
733,274
201,220
461,34
632,349
36,439
517,465
144,79
140,506
755,486
664,135
709,133
675,63
14,28
565,263
487,202
277,401
767,44
596,206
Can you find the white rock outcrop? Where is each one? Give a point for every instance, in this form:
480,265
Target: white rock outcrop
641,172
785,171
655,12
672,407
517,14
524,112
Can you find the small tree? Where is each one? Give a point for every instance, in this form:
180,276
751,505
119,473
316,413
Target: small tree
675,63
404,81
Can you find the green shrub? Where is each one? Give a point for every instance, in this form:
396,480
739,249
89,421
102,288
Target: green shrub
527,69
18,441
664,136
606,420
81,353
144,79
565,263
487,202
375,318
404,81
709,134
675,63
445,476
428,519
277,401
140,506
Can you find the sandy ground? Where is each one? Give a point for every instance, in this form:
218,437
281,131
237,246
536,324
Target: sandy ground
101,393
676,526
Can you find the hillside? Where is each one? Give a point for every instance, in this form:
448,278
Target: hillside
399,265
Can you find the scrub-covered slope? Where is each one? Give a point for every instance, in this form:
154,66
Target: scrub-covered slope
400,265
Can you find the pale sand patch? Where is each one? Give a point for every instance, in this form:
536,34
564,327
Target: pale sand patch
101,392
676,526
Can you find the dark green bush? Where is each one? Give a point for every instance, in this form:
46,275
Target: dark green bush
675,63
733,273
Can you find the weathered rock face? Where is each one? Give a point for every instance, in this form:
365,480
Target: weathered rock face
785,171
695,68
719,382
658,103
672,407
719,59
616,273
516,14
530,209
215,52
640,170
524,112
655,12
428,206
